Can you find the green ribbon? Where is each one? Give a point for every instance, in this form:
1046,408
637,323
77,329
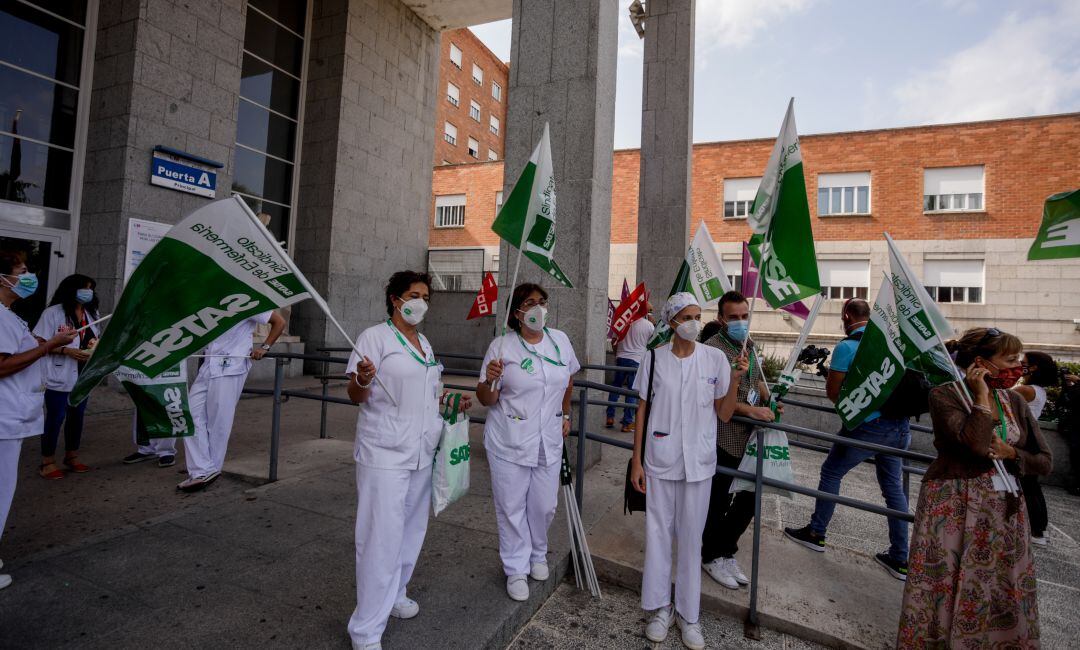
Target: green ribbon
533,352
401,339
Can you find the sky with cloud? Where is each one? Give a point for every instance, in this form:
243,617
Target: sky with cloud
854,65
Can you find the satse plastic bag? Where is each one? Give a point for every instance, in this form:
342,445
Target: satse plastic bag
775,465
450,471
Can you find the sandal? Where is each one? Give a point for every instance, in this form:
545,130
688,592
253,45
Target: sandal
53,475
74,465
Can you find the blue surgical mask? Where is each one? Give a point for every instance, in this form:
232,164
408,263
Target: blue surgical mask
25,285
83,296
738,329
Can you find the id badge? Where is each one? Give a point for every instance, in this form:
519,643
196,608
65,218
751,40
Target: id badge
752,397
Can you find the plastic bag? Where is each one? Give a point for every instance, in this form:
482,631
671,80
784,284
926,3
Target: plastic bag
776,464
450,470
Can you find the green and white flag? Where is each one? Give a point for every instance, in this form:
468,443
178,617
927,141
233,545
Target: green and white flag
162,401
1059,234
531,209
878,365
702,274
215,268
921,324
781,223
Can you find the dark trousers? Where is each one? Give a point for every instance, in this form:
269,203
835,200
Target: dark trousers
729,514
1036,504
57,413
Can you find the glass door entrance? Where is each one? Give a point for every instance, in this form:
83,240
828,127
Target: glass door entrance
42,254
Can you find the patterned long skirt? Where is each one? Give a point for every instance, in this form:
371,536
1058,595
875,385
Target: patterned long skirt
971,580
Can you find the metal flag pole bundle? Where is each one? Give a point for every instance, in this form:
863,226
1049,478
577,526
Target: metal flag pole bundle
579,545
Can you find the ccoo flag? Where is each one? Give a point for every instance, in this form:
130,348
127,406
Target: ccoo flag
781,223
1059,234
215,268
878,365
702,274
531,209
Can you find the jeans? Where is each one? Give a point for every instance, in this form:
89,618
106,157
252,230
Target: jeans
57,412
842,459
623,378
729,514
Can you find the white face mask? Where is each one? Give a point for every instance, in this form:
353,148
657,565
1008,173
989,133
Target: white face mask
689,330
535,318
412,311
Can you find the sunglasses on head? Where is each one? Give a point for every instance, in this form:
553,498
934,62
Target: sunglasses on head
991,333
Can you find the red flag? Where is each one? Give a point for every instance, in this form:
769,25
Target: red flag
625,290
628,311
610,315
485,298
749,281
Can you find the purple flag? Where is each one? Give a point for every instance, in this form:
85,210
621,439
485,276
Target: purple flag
749,281
625,290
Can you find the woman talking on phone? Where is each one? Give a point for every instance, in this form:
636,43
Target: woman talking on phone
971,581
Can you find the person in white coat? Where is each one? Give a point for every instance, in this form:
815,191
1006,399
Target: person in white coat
396,382
74,305
692,385
527,383
22,384
215,393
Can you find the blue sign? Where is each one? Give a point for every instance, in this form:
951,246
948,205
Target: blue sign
168,171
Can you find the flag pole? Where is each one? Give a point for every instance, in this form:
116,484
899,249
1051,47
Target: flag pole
310,289
94,322
750,316
804,333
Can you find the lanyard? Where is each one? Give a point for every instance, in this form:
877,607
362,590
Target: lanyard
558,353
1002,429
401,339
750,369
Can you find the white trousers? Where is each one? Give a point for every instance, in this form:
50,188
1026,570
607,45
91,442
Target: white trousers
674,509
391,520
525,502
156,447
213,405
9,472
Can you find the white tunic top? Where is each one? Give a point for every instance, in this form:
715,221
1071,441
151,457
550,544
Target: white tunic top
402,436
230,353
1039,403
60,371
525,424
634,343
681,439
22,395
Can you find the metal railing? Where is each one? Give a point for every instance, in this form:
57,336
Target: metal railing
582,401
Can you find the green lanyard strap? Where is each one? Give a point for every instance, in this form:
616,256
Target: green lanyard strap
750,369
1002,428
401,339
533,352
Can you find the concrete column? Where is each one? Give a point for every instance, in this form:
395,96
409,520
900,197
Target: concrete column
667,119
562,71
165,72
365,179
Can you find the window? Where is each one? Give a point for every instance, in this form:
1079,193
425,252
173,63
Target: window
843,279
453,94
474,148
739,196
494,125
498,201
477,75
953,189
450,133
474,110
496,91
954,280
450,211
492,154
456,269
455,55
843,193
494,264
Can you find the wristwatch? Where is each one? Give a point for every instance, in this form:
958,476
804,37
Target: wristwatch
565,416
265,346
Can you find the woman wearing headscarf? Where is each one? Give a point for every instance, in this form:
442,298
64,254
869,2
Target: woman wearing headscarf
684,387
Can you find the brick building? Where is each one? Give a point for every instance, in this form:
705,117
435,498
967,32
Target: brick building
471,101
962,200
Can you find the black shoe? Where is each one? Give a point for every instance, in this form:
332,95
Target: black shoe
895,568
807,538
138,457
166,461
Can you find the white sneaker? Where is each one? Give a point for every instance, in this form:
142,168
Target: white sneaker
1040,540
517,586
718,571
539,571
691,634
662,620
405,608
735,572
5,580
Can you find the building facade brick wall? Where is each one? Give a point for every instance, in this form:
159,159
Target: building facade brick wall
495,71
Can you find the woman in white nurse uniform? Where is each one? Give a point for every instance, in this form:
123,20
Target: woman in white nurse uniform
527,382
22,383
692,386
397,431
